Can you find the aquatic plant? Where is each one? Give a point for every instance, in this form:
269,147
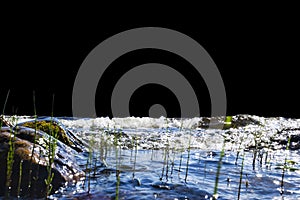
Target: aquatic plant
134,162
51,143
89,163
173,163
165,163
20,178
34,142
117,136
241,176
95,159
167,159
9,164
257,138
284,168
180,162
103,147
215,195
10,155
3,110
188,160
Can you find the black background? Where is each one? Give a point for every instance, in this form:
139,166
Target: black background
257,58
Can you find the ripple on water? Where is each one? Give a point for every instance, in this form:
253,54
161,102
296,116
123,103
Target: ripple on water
178,159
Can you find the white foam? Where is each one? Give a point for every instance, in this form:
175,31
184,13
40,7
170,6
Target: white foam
132,123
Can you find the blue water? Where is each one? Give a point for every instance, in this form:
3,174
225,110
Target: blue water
157,174
146,158
174,163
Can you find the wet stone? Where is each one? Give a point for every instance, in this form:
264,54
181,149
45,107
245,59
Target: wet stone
235,122
33,155
53,127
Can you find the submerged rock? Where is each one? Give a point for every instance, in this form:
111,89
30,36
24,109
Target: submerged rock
31,149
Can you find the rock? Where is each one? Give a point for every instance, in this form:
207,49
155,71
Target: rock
293,134
53,126
212,122
34,158
243,120
295,142
235,122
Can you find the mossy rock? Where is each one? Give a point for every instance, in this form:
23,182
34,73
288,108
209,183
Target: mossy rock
51,128
229,122
34,159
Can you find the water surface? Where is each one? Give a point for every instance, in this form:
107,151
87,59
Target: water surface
146,158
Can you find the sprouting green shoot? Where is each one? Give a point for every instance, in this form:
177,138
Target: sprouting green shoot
20,178
50,147
10,157
215,195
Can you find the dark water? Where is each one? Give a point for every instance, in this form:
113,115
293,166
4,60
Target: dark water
145,158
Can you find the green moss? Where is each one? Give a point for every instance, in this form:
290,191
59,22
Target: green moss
50,128
228,122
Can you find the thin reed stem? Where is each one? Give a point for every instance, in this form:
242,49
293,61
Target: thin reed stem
215,195
241,177
51,148
284,168
34,143
5,102
188,160
20,178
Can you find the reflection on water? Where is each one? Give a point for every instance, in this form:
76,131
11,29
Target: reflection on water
173,163
170,174
146,158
